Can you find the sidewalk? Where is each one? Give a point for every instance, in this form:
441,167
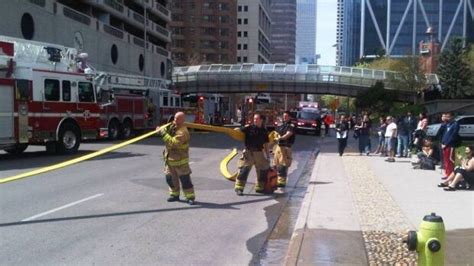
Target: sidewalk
358,208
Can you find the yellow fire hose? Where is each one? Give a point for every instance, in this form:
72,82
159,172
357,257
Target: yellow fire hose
237,135
224,166
79,159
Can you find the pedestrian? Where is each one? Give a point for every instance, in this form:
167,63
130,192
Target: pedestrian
282,151
420,132
176,156
327,123
442,130
402,138
410,121
448,142
342,131
364,135
381,135
255,153
390,138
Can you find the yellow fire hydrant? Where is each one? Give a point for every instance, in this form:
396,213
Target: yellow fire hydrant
429,242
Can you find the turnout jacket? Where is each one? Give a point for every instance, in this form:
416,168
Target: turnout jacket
177,145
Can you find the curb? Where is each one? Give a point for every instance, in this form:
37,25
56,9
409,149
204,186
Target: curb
297,237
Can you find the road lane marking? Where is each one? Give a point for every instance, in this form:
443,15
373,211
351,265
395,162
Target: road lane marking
62,207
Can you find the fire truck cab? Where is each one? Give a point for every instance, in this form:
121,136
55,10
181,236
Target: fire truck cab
43,98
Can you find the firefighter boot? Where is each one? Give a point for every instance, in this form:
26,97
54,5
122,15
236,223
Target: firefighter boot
261,179
241,180
174,193
188,188
282,173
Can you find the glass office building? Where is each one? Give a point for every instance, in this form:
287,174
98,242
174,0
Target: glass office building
396,27
306,31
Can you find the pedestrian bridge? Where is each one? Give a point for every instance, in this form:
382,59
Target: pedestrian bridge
283,78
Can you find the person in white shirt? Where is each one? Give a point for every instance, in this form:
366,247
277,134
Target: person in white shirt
391,138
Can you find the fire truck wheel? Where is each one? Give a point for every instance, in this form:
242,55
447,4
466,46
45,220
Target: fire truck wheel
17,149
113,129
69,139
126,131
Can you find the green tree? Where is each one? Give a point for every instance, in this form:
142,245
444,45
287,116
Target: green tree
470,62
454,72
408,76
376,99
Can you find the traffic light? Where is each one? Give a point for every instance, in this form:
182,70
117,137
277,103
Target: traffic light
250,100
201,98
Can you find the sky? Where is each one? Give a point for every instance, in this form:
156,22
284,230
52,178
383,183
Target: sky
326,24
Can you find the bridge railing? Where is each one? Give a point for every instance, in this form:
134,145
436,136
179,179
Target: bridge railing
287,73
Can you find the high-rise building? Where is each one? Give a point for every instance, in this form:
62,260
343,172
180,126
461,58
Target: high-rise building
306,32
395,28
254,31
119,36
283,31
204,32
339,31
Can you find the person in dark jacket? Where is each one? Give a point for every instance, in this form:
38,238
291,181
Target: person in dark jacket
411,123
342,132
448,142
364,135
402,138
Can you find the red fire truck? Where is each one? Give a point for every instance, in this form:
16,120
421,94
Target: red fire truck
47,99
130,103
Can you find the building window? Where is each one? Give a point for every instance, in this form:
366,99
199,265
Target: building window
191,31
244,59
223,19
224,32
239,8
246,21
239,46
162,69
239,21
114,54
239,59
141,62
245,34
246,8
223,6
239,34
245,46
27,26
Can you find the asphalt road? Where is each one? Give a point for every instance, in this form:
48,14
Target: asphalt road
113,209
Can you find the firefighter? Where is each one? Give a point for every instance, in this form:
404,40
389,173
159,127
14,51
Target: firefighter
282,151
176,155
255,153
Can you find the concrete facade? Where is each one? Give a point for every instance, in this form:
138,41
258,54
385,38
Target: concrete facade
57,23
254,31
204,32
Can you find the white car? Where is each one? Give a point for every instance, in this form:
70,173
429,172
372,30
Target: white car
466,127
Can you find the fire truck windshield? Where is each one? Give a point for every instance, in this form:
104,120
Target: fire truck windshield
309,115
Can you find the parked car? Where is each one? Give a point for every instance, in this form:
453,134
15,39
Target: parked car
466,128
